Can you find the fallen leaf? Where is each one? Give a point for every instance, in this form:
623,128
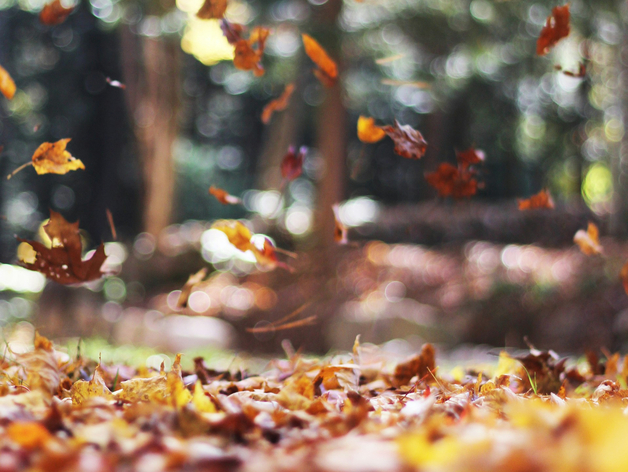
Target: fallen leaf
223,197
52,158
278,104
451,181
327,71
556,27
192,281
54,13
62,262
409,143
83,390
212,9
40,367
292,163
588,241
341,233
419,365
470,157
28,434
540,200
368,132
7,85
248,53
201,401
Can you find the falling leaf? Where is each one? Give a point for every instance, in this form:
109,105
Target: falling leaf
238,234
231,31
368,132
112,227
327,71
54,13
541,200
248,53
192,281
588,241
7,85
278,104
386,60
409,83
292,163
623,275
52,158
341,233
212,9
310,320
582,71
115,83
470,157
409,143
62,262
223,197
451,181
556,27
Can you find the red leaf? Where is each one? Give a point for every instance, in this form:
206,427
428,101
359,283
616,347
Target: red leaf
292,164
556,27
451,181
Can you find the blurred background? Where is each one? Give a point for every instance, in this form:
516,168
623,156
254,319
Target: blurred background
418,268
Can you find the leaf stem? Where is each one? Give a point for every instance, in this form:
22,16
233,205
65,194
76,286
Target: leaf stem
23,166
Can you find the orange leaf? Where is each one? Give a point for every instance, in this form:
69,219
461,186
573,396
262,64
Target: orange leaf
54,13
28,434
368,132
267,255
327,71
246,56
588,241
62,262
292,164
556,27
451,181
470,157
341,233
238,234
409,143
212,9
223,197
192,281
624,276
7,86
541,200
278,104
231,31
52,158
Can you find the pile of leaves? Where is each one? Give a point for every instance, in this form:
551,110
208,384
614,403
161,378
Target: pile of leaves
360,411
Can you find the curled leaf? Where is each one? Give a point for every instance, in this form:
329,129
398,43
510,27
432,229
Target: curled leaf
420,365
541,200
409,143
212,9
223,197
248,53
368,132
54,13
556,27
192,281
7,85
292,163
327,71
278,104
451,181
588,241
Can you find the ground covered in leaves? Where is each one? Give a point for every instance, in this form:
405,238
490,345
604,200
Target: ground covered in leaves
352,412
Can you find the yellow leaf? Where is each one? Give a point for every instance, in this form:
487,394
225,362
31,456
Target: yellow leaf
52,158
201,401
368,132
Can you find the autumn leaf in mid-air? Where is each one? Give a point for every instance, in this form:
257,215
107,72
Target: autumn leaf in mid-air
54,13
223,196
192,281
212,9
52,158
249,52
556,28
589,241
327,71
341,233
277,104
7,85
63,261
452,181
368,131
540,200
470,157
623,275
292,163
409,143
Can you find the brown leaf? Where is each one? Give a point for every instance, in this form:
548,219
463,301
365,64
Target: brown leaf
292,163
248,53
451,181
588,241
420,365
54,13
52,158
193,280
327,71
278,104
212,9
62,262
556,27
409,143
7,85
223,197
231,31
541,200
111,225
623,275
368,132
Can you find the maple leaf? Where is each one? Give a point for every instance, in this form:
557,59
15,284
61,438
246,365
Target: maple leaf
470,157
278,104
588,241
223,197
409,143
212,9
62,262
451,181
7,85
292,163
54,13
540,200
368,132
341,233
249,57
52,158
556,27
327,71
192,281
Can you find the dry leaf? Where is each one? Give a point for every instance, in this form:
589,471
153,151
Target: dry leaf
231,31
420,365
368,132
192,281
238,234
278,104
541,200
248,53
223,197
7,85
588,241
62,262
409,83
292,163
40,366
111,225
54,13
556,27
52,158
470,157
327,71
623,275
409,143
212,9
341,233
451,181
83,390
28,434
